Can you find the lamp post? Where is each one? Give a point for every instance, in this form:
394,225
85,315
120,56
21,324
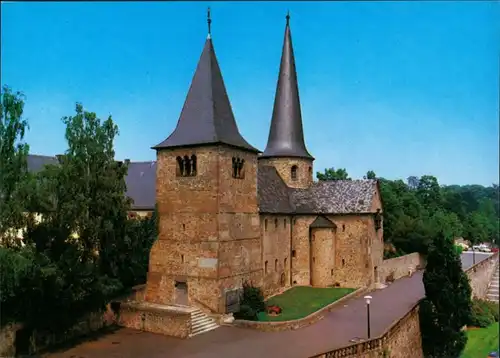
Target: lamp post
473,256
368,301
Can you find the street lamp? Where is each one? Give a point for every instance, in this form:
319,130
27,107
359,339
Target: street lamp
368,300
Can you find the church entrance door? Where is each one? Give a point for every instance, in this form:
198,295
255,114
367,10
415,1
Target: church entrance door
181,293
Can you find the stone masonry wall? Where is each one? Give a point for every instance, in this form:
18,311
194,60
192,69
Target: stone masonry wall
160,321
353,258
209,227
399,266
284,166
276,251
402,339
323,257
480,275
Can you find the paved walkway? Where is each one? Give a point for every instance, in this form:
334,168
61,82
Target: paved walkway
334,331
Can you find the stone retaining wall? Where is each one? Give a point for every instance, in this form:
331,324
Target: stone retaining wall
402,339
480,275
35,341
314,317
144,317
398,267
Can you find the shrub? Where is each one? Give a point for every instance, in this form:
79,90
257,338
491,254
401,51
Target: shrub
251,302
253,297
484,313
246,312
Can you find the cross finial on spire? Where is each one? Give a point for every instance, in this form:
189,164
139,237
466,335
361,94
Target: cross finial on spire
288,18
209,21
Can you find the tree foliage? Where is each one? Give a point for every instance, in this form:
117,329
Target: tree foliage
333,174
13,154
446,309
84,250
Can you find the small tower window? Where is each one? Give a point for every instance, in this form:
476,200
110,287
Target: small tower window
265,225
275,223
284,263
238,168
294,172
186,166
276,265
265,267
294,253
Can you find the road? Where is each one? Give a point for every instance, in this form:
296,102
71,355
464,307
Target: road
467,258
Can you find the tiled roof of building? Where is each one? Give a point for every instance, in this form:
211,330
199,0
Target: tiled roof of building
286,136
335,197
325,197
141,184
321,222
38,162
207,116
274,195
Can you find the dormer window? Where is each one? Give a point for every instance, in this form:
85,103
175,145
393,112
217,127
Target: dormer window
186,166
238,165
294,172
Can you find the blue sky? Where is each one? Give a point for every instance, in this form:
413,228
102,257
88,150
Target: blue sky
402,88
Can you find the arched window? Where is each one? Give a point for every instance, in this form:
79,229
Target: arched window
265,267
265,225
275,223
238,165
180,166
294,172
193,165
276,265
284,223
186,166
310,171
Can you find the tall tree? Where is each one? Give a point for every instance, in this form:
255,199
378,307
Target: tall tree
446,309
13,164
370,174
332,174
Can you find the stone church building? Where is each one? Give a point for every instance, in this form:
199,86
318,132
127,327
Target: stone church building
230,214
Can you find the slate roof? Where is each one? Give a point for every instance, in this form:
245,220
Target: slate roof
286,136
335,197
274,194
207,116
275,197
141,184
37,162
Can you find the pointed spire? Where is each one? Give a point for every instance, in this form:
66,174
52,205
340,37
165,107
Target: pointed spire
207,116
286,137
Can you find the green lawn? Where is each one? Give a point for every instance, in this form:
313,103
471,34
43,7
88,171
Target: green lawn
481,342
301,301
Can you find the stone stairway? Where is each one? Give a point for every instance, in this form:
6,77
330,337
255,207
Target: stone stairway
201,323
492,294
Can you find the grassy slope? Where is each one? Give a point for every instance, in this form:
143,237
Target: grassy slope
301,301
481,342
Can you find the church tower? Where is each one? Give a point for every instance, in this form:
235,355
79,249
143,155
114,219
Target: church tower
286,149
206,194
